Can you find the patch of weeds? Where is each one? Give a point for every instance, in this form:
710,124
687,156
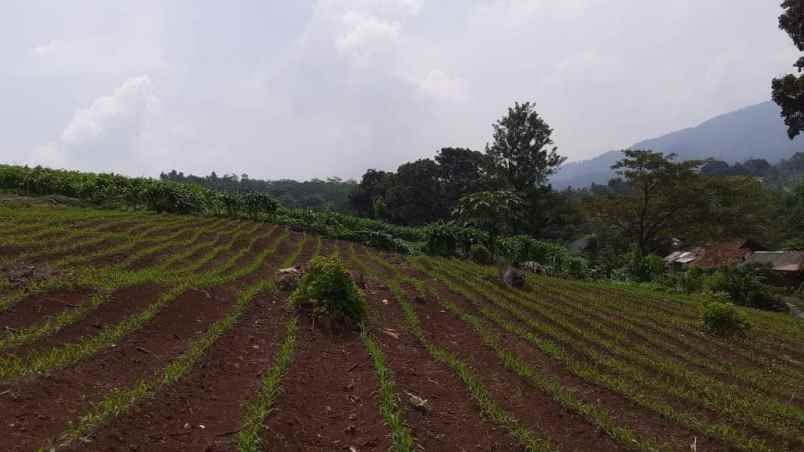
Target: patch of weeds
327,292
481,255
722,318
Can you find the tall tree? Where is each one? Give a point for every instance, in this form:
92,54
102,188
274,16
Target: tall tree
521,153
415,197
664,197
372,187
461,171
788,91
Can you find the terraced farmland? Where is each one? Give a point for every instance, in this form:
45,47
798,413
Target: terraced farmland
136,331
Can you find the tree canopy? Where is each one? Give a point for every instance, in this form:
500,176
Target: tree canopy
788,91
663,196
521,153
495,212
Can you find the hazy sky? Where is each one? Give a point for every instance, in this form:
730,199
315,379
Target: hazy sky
302,89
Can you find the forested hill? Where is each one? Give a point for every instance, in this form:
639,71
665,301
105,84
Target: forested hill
752,132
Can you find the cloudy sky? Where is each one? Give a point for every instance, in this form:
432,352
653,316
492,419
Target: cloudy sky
318,88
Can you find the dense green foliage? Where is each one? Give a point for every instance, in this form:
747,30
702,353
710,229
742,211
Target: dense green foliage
744,286
494,212
420,192
722,318
450,239
519,160
663,197
554,258
481,255
113,190
326,291
788,91
522,154
331,194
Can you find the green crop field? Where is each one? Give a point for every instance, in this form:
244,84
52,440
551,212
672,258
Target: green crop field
128,330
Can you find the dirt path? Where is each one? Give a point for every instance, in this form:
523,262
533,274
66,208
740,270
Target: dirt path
37,308
330,398
454,422
122,303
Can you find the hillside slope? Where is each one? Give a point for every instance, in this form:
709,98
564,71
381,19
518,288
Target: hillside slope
752,132
140,331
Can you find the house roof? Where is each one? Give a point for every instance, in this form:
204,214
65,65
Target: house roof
782,261
681,257
725,253
714,255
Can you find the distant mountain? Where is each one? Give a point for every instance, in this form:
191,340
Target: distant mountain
752,132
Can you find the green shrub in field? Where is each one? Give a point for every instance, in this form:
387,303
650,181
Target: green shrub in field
449,239
327,292
744,286
693,280
481,255
174,197
643,268
722,318
689,281
255,204
555,258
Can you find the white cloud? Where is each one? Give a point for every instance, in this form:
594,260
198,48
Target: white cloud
103,45
440,85
115,132
332,87
363,34
126,107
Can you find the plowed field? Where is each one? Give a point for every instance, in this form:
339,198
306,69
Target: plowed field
134,331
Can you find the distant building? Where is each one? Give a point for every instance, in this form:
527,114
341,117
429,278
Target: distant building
714,255
784,267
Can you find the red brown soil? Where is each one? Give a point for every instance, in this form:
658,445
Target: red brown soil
214,393
241,243
667,341
210,400
115,259
122,303
330,399
149,260
21,275
534,409
80,250
121,226
307,251
697,408
327,247
211,238
281,251
153,237
454,422
36,308
42,407
646,423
